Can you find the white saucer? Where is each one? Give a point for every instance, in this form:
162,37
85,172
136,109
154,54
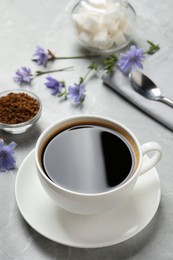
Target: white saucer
95,231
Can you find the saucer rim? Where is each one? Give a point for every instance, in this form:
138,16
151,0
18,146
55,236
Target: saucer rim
82,244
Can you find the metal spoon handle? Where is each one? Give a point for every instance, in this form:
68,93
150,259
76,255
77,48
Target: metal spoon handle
167,101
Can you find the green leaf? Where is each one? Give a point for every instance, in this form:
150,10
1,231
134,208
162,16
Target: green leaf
110,62
93,66
152,48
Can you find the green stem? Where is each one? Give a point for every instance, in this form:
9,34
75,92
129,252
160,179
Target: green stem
39,73
77,57
72,57
64,93
88,72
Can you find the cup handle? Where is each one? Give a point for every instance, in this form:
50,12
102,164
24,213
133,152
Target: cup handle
150,147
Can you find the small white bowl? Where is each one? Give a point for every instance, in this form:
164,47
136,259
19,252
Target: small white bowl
103,27
24,126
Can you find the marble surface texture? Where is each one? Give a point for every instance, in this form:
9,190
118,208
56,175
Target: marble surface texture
23,26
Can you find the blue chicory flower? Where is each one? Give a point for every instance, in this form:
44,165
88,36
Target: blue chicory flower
23,75
131,59
42,57
7,160
55,85
76,93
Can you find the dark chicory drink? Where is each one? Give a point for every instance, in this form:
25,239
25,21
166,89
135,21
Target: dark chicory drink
88,159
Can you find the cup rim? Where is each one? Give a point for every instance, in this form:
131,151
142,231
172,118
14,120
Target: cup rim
83,194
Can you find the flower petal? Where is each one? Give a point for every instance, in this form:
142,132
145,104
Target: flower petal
131,59
7,160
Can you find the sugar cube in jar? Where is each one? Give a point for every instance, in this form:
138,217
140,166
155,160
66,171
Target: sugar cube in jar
104,26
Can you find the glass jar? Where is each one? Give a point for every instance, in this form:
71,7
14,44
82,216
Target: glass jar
104,26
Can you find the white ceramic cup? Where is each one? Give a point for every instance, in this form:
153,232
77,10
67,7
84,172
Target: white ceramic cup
83,203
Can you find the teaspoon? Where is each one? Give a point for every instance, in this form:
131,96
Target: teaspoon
147,88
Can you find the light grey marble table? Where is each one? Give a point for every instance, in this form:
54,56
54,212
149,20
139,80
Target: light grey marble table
23,26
